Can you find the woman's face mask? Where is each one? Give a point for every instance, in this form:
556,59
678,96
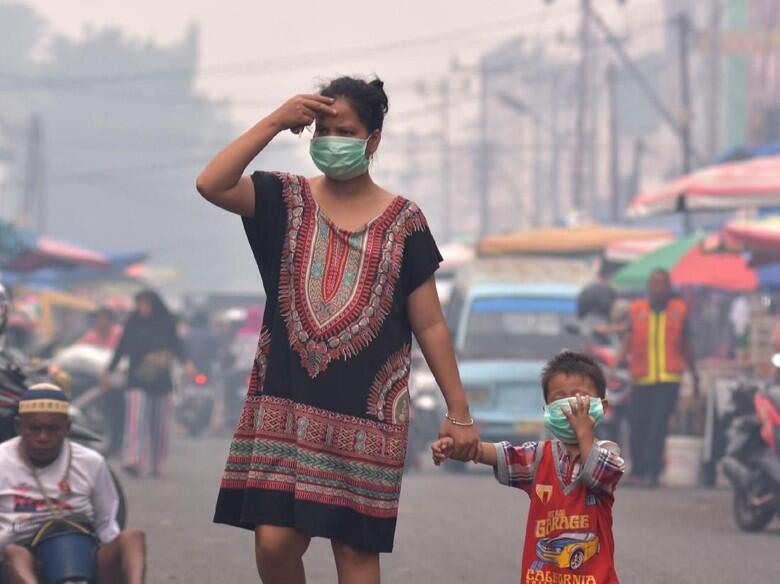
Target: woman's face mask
340,158
558,424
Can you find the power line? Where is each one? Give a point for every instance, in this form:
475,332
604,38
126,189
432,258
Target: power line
270,65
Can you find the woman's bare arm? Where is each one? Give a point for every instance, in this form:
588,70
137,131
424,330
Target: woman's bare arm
222,181
430,329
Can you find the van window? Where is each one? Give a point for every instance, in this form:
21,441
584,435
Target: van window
519,328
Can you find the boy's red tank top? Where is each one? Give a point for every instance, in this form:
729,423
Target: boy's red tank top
568,539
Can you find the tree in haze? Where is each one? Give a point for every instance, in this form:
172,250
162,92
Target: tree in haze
125,132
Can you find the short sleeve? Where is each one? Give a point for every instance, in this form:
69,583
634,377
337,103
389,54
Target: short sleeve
421,258
265,231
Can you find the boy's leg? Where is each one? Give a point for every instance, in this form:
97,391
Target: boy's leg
641,401
355,566
663,407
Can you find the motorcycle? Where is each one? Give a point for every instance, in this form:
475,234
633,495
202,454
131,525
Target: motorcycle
751,463
194,403
752,460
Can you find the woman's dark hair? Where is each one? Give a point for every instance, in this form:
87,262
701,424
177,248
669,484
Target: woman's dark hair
571,363
367,98
159,309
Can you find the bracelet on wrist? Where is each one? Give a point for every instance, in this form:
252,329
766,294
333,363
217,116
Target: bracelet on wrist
456,422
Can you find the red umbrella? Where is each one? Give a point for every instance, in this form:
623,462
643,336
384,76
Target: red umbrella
691,264
736,185
724,271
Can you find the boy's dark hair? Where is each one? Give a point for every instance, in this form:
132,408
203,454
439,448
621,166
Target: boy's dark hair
571,363
367,98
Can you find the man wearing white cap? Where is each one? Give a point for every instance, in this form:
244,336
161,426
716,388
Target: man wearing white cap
44,476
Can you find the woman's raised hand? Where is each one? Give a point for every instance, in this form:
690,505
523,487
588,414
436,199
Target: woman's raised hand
301,111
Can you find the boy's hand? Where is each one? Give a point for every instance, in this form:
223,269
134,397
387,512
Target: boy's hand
442,450
580,419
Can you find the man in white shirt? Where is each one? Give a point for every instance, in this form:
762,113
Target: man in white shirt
43,475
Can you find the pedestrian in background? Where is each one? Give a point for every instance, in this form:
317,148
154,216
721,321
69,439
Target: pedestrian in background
105,334
658,347
105,331
151,343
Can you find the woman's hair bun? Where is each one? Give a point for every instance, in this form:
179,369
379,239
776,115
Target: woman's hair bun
380,86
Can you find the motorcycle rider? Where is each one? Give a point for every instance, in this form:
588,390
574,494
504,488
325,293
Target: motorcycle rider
45,476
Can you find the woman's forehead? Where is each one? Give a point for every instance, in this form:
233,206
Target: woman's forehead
345,115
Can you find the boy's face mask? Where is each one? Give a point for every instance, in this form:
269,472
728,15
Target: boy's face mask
338,157
558,424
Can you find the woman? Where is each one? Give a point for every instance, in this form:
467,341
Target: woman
348,271
151,343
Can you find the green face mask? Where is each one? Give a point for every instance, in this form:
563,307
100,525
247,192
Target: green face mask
340,158
558,424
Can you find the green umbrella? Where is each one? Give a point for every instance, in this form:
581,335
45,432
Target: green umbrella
636,274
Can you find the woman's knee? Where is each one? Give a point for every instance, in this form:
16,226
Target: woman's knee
279,545
354,556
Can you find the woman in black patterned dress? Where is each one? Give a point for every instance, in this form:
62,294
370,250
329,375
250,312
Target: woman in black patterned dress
348,271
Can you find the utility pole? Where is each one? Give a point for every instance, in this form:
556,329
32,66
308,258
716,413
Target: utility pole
555,148
33,192
583,87
684,27
616,197
446,164
713,97
483,161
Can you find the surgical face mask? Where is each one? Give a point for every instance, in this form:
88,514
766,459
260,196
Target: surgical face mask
558,424
340,158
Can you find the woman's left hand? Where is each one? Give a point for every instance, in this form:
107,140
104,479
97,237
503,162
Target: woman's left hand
465,438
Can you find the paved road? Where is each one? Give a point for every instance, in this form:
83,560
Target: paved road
452,529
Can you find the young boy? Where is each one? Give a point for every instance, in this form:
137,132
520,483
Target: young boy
571,480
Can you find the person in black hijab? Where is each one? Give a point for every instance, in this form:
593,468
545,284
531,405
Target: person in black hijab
151,344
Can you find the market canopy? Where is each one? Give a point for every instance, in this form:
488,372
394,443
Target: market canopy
736,185
690,265
760,237
22,250
582,240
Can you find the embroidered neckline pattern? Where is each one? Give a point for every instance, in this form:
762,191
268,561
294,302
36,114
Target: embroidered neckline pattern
335,287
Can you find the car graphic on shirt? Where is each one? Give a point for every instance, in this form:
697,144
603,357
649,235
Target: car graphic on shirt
568,550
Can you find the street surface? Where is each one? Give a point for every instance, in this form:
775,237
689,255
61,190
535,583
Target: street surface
452,529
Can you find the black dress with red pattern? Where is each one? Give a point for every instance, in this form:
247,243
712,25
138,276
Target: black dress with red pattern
321,441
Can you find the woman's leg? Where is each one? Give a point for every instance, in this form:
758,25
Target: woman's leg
159,421
135,438
355,566
279,554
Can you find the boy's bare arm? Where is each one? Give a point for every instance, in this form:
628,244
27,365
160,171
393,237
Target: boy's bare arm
487,454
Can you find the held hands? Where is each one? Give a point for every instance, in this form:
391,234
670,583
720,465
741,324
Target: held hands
442,450
465,441
301,111
580,419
